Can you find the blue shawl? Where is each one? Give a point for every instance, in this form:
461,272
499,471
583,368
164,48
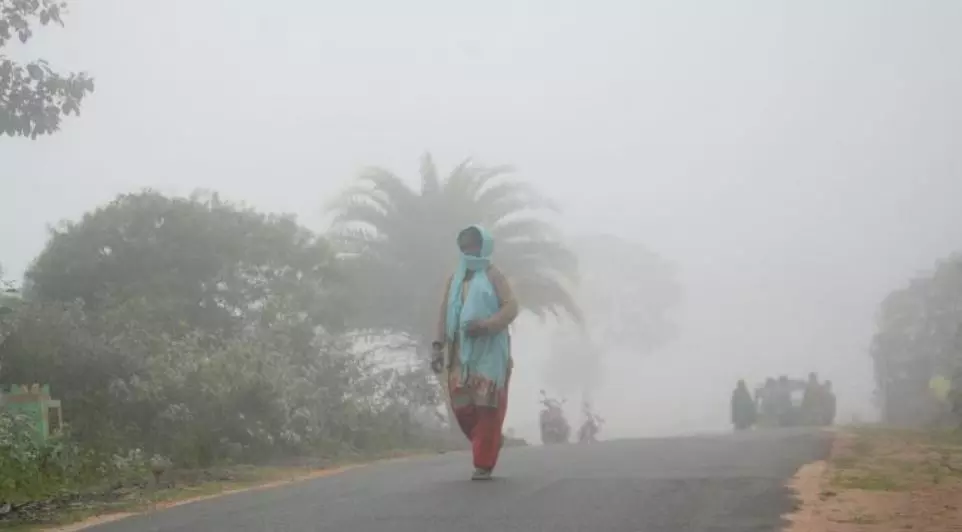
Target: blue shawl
485,355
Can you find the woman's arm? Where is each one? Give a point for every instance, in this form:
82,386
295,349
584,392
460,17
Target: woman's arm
509,305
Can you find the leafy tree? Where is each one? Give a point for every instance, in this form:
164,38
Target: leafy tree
190,263
400,243
11,299
918,338
204,332
627,293
9,295
33,97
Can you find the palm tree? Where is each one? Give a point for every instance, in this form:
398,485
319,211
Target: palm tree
400,244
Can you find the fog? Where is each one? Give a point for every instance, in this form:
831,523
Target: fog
795,160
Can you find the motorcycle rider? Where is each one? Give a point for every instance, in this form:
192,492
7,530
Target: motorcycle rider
591,426
554,426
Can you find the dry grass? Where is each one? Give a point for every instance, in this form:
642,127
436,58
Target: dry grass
883,480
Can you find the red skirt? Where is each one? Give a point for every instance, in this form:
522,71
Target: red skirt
483,426
479,408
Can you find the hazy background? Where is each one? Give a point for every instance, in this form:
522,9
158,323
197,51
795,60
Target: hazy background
796,159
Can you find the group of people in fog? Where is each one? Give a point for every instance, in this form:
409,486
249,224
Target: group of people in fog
774,405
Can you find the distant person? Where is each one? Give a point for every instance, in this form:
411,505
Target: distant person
744,414
477,308
766,407
830,406
783,402
813,402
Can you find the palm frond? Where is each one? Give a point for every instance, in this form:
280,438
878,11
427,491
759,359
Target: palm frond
389,186
484,176
524,229
363,212
353,240
543,294
516,190
459,180
507,199
537,255
500,191
358,191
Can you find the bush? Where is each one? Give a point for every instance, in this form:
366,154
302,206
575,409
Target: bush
200,399
30,468
197,330
58,468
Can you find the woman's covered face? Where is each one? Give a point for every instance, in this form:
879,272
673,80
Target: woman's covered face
470,243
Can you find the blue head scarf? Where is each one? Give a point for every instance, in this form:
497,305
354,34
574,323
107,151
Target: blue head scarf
485,355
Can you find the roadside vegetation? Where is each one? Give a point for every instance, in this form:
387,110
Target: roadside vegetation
882,479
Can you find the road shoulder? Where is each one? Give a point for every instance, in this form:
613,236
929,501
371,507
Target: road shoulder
128,502
882,480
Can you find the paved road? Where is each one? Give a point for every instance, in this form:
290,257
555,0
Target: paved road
707,483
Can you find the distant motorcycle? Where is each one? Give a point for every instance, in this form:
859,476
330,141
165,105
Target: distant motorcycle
554,426
588,433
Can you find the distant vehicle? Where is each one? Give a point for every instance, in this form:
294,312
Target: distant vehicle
797,395
554,427
780,405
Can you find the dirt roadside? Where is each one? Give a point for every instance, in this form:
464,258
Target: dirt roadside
881,480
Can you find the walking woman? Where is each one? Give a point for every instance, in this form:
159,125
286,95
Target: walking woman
477,309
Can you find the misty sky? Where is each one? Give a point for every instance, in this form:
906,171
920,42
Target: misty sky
796,159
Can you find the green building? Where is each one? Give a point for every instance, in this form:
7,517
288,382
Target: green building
34,402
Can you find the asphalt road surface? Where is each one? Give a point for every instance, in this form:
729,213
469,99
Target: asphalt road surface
708,483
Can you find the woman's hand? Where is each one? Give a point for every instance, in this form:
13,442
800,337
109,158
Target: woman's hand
437,357
476,328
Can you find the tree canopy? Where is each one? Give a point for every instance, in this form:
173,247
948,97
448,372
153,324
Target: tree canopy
918,337
33,96
190,263
628,294
401,242
203,331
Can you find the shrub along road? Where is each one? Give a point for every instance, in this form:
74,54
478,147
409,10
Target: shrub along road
718,483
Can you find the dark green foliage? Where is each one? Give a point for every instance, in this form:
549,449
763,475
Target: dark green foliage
32,469
185,264
201,331
33,97
919,336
